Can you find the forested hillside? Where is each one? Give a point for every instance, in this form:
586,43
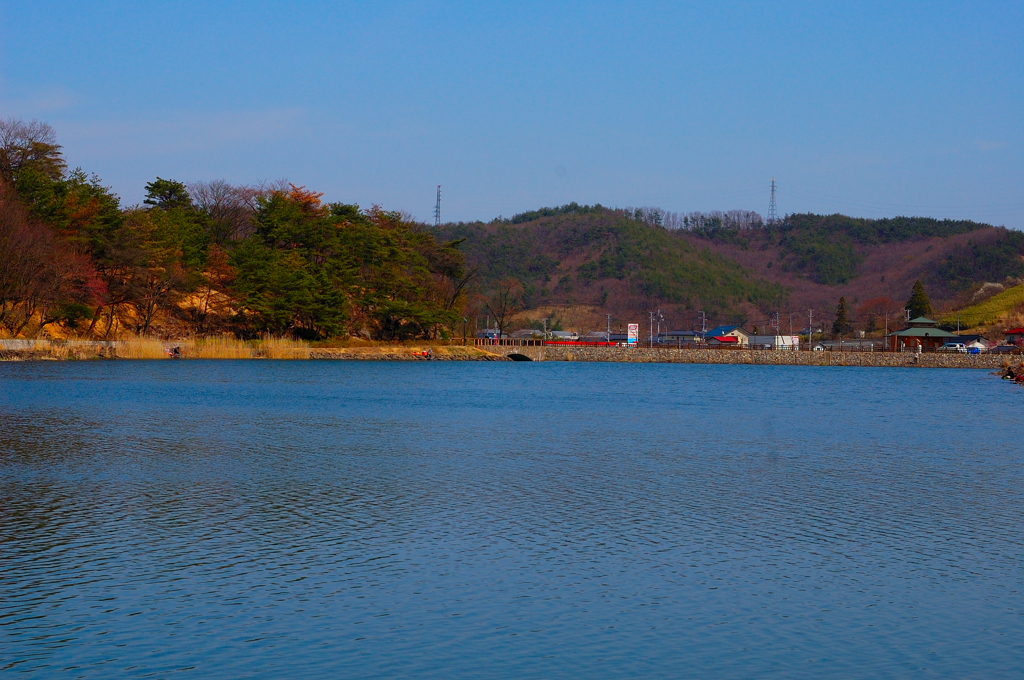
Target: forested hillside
601,257
830,249
731,265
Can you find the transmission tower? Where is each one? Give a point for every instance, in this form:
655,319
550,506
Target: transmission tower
773,214
437,207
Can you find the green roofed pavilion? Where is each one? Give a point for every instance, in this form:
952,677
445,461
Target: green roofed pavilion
920,333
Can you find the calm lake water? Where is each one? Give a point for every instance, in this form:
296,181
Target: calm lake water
556,520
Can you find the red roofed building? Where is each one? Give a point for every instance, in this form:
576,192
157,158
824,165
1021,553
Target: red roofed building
723,340
1014,336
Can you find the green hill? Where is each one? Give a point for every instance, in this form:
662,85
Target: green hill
596,255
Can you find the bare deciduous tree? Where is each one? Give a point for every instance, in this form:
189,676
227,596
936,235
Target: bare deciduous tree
505,301
31,143
231,208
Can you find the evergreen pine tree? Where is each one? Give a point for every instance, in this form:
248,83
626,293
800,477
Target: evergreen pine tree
918,303
841,326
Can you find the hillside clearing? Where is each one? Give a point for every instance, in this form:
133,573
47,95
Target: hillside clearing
998,308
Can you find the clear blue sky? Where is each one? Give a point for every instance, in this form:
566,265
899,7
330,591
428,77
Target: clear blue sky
869,109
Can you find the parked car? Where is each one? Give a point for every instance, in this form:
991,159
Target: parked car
954,347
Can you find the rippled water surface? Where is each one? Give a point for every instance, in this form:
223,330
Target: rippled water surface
557,520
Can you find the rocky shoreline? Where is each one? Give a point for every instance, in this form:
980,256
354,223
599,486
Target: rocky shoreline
87,350
757,357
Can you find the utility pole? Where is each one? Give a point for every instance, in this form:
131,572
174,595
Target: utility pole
703,323
810,329
608,333
650,333
437,208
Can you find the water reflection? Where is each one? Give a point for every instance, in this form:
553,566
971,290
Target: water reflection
548,520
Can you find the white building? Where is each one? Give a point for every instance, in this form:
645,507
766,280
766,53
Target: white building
774,341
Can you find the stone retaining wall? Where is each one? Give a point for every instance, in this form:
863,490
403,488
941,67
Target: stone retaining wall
27,349
763,357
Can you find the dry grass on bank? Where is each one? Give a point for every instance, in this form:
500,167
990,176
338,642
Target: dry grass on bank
141,348
53,350
229,347
217,347
283,348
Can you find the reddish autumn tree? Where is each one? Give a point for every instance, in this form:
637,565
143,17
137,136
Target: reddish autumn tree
43,278
876,310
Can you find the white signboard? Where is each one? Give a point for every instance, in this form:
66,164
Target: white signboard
633,333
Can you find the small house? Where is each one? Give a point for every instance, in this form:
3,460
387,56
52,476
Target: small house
1014,336
742,336
723,341
679,338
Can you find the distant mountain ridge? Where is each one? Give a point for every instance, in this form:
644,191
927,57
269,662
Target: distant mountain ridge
733,268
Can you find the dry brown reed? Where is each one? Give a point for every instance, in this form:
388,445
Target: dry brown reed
283,348
46,349
141,348
218,347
